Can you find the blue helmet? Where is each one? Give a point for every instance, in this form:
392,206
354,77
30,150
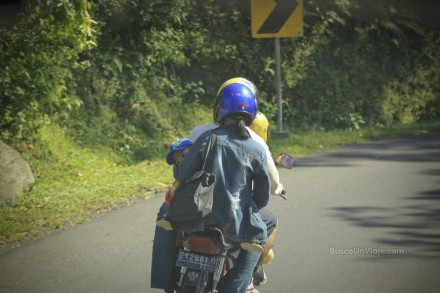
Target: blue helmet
177,145
236,96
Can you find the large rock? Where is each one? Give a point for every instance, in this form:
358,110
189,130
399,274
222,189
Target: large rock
15,174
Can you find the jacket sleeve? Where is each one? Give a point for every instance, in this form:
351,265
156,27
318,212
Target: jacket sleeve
276,186
274,176
261,186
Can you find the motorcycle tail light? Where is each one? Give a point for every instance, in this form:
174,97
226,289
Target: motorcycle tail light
201,245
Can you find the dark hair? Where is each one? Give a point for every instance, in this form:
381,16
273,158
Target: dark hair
240,126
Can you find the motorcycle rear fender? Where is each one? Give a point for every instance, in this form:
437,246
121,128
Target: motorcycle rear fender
210,241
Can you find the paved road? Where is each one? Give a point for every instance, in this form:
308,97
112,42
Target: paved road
364,218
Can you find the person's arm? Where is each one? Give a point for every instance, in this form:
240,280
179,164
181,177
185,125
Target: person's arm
200,129
261,186
276,186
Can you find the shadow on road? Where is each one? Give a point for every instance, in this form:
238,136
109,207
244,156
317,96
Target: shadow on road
413,226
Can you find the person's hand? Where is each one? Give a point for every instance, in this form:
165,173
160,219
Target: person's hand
168,197
282,194
174,188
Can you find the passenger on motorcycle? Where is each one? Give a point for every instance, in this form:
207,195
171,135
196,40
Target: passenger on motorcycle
258,131
243,185
163,270
164,250
178,149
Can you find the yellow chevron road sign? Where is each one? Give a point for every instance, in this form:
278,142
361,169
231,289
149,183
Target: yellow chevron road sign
277,18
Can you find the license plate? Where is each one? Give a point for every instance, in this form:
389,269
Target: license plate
197,261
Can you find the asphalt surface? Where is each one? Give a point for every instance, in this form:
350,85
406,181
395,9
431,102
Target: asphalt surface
363,218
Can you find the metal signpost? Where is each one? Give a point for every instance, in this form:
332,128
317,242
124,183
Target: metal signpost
277,19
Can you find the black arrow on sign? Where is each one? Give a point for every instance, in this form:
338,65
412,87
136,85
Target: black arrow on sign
278,17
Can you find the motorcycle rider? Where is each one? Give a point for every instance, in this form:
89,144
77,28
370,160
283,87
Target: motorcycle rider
259,131
164,250
163,273
260,125
243,185
178,149
260,136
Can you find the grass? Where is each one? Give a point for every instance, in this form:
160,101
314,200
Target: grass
311,142
75,184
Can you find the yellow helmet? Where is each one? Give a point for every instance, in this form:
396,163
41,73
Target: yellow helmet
236,96
260,126
240,80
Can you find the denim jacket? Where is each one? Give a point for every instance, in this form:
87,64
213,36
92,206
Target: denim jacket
242,183
276,186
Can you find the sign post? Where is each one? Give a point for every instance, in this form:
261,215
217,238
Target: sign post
277,19
280,132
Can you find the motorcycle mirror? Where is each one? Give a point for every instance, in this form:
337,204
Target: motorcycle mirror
284,160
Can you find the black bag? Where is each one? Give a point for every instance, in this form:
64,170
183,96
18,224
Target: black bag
194,198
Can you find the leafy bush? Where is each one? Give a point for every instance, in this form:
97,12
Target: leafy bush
101,86
35,61
151,69
349,73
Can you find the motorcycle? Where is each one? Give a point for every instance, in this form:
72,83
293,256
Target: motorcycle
206,256
204,259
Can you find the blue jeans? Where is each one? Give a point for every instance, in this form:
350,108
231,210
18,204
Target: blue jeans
269,219
164,273
239,278
163,269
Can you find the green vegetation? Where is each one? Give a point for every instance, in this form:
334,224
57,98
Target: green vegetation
91,90
75,184
132,74
314,141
